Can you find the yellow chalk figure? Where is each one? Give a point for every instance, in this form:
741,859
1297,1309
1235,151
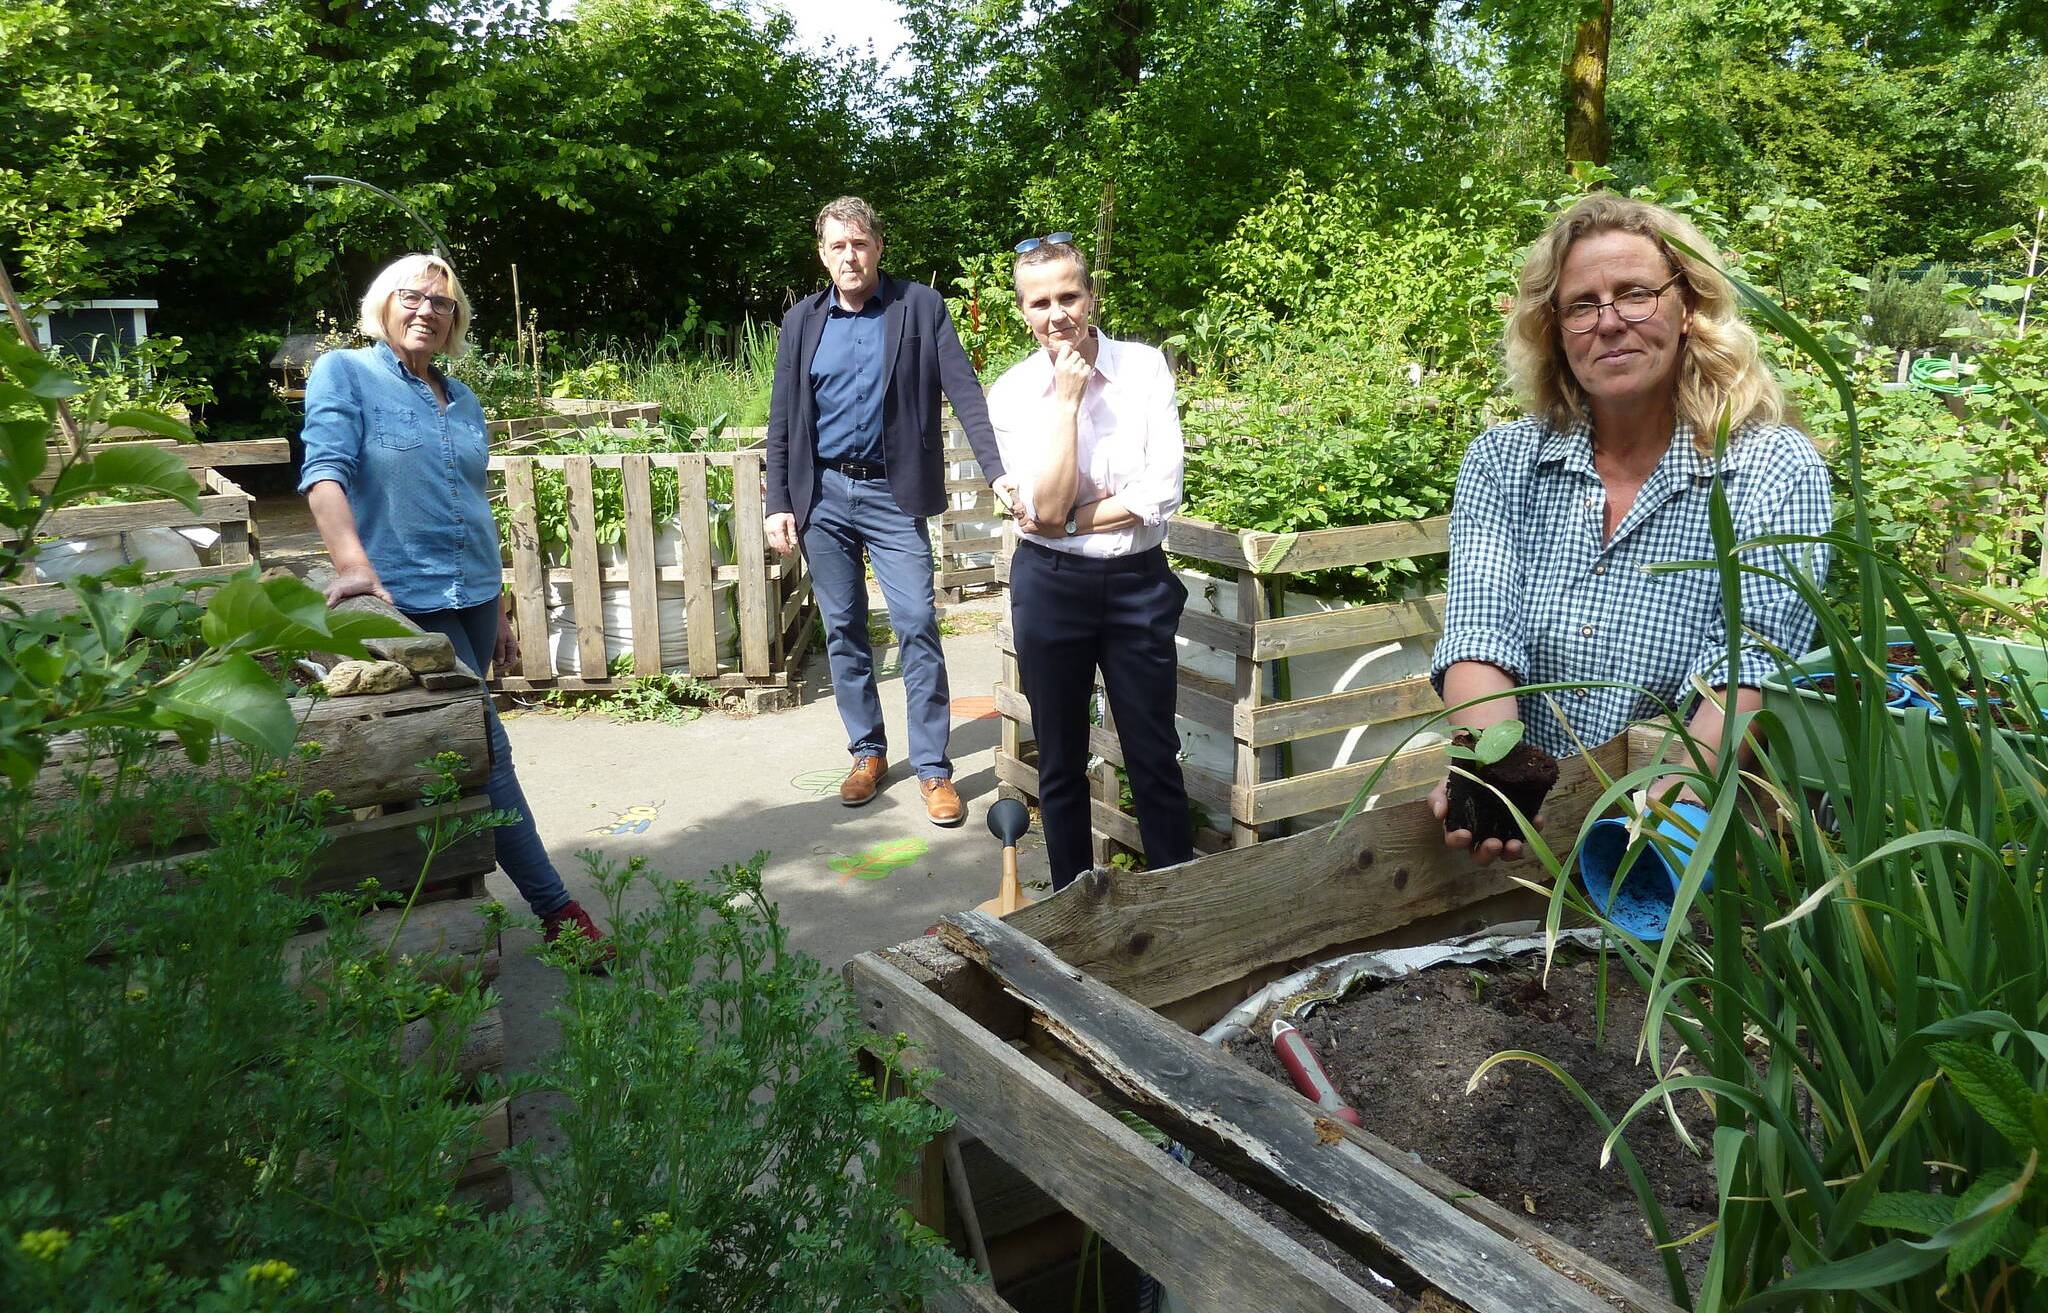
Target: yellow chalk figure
633,820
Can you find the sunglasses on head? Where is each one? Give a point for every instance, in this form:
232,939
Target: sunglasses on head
1050,239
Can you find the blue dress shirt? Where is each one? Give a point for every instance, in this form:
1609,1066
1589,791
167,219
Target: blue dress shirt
1537,590
413,472
846,380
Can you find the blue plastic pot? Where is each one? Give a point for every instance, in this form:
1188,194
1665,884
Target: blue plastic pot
1642,905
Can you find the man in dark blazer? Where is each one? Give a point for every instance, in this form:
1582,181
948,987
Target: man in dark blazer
856,463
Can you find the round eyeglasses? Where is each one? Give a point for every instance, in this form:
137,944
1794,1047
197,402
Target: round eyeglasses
1050,239
412,298
1634,306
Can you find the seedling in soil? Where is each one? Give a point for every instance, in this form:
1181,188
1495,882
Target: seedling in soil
1521,771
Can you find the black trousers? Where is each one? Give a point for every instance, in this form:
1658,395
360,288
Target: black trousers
1070,615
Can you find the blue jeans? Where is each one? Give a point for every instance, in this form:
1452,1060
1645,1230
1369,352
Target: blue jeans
474,631
851,518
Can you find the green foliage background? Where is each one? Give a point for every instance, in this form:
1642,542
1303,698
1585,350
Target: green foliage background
650,163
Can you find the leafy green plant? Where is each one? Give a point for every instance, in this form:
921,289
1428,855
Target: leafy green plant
669,697
676,1184
1494,742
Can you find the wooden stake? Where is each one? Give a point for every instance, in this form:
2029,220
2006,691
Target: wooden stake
518,323
65,424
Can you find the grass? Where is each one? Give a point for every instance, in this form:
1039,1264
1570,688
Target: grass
695,388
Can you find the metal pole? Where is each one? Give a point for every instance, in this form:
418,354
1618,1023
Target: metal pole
65,424
440,247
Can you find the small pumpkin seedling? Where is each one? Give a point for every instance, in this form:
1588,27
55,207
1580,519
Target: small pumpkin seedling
1522,772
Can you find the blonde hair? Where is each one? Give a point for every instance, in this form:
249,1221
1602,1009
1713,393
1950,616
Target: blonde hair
1720,371
404,272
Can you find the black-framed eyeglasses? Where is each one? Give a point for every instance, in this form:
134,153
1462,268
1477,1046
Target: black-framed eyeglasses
1030,244
1634,306
412,298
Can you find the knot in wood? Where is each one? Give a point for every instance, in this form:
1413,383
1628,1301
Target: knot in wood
1139,942
1400,877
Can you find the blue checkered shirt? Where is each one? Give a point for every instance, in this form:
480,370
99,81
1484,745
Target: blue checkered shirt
1534,590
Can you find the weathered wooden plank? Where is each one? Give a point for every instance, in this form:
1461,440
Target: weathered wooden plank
699,618
1357,626
582,507
750,548
1361,544
962,546
1247,692
1188,536
638,498
1300,718
1161,937
365,758
1214,631
1276,800
387,849
1102,742
120,517
967,1299
1218,1254
980,574
196,455
34,598
529,602
1244,1119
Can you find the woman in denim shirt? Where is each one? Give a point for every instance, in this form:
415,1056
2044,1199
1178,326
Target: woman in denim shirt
394,473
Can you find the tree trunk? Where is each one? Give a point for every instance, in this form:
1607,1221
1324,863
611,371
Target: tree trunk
1105,225
1585,88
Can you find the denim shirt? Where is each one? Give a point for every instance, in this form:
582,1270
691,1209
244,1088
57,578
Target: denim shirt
1538,589
413,472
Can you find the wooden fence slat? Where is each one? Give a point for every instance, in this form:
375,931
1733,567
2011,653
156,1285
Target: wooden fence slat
1250,1120
1206,541
120,517
1160,937
1356,626
584,569
529,596
699,618
1219,1256
1362,544
196,455
641,585
1247,691
1300,718
1297,795
750,550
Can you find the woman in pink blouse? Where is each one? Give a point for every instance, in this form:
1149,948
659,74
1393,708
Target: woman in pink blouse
1091,441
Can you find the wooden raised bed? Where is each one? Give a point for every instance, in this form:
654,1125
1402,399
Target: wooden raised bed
1098,989
960,535
1249,800
223,507
773,596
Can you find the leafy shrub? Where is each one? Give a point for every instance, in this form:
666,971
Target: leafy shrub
1908,313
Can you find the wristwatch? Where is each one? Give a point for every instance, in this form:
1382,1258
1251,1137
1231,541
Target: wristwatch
1073,524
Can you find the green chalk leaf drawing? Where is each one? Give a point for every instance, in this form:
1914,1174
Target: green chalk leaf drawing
881,860
818,783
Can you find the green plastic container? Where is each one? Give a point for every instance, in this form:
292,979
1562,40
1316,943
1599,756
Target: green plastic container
1815,744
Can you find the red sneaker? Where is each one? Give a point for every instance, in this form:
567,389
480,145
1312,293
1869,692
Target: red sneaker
572,915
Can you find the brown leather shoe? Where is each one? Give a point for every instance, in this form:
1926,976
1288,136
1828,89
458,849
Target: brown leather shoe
941,801
861,782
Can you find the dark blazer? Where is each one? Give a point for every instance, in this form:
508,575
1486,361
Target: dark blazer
921,355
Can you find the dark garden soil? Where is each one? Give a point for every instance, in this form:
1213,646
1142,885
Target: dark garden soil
1402,1053
1525,775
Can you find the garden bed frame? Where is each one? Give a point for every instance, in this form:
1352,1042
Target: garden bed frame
774,596
1242,708
223,507
574,413
1036,1024
958,533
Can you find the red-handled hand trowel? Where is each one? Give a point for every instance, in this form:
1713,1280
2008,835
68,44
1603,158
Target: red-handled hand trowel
1305,1069
1007,820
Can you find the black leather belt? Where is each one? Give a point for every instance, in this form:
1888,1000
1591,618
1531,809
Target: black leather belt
858,469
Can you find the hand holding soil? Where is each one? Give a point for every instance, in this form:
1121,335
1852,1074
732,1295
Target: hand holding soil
1474,818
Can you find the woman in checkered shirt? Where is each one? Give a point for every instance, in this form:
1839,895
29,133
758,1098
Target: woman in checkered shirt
1628,353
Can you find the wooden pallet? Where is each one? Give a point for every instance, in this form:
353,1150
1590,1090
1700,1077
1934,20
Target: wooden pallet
1037,1026
773,597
